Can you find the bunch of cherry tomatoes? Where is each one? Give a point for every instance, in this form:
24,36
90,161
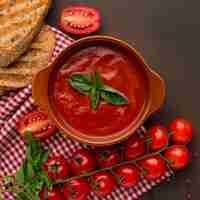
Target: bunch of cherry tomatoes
101,169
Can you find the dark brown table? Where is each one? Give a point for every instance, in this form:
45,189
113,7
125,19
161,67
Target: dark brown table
167,34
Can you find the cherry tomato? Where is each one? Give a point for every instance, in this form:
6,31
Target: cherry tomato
128,174
107,157
80,20
56,167
103,183
134,147
77,189
178,156
181,130
159,137
82,161
54,194
154,167
38,123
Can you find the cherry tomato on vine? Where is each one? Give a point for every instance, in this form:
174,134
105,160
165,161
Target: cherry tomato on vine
134,147
181,131
128,175
38,123
76,189
56,167
159,137
103,183
154,167
82,161
178,156
80,20
107,157
54,194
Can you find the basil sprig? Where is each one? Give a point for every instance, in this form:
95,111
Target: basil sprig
93,86
30,178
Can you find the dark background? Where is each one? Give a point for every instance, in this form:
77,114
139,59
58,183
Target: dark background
167,35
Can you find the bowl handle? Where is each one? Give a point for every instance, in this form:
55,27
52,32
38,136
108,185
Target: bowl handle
158,91
40,88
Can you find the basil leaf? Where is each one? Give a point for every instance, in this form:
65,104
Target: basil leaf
34,186
23,196
81,78
44,157
29,171
98,80
95,97
45,179
113,96
40,159
83,88
32,194
81,82
33,148
20,176
37,162
95,93
29,137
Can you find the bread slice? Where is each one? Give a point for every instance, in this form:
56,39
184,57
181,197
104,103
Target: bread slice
20,73
20,21
36,57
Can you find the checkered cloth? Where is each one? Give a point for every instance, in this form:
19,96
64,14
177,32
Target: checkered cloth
12,147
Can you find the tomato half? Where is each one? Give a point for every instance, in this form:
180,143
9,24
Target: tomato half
80,20
38,123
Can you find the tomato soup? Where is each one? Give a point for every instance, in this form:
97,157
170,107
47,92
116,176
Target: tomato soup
118,71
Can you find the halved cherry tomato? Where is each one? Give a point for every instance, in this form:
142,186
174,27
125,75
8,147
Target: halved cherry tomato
181,131
154,167
56,167
107,157
134,147
77,189
38,123
82,161
54,194
80,20
128,175
159,137
103,183
178,156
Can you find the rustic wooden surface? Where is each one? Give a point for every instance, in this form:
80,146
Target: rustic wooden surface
167,34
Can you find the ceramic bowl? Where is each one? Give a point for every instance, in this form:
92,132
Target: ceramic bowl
43,87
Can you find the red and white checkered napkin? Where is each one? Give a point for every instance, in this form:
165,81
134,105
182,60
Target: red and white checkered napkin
12,148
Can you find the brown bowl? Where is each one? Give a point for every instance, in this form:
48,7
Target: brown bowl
42,90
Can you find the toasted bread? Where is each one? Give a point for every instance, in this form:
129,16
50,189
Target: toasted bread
20,21
20,73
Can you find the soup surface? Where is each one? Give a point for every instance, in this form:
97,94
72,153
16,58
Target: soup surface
116,70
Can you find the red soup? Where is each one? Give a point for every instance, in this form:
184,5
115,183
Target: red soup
117,71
